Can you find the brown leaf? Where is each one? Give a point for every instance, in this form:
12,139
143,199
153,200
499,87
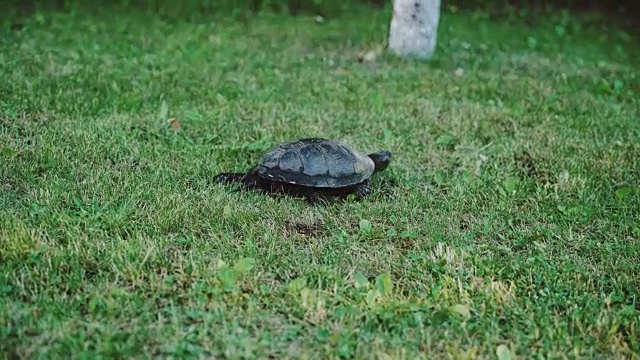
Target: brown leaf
175,124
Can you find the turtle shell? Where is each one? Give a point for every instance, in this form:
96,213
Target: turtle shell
315,162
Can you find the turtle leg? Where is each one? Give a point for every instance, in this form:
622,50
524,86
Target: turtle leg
229,177
363,189
316,198
246,180
250,181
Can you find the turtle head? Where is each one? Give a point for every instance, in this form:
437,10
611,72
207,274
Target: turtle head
381,159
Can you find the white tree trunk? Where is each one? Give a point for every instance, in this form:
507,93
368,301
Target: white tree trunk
414,28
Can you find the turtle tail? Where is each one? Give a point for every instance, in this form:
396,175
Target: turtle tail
229,177
247,180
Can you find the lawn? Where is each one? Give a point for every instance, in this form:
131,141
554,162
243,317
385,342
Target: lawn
507,224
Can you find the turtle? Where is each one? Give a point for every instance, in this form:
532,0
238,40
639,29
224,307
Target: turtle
314,168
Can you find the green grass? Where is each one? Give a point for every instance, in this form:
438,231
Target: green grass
506,224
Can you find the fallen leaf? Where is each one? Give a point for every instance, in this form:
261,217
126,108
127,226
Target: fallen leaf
175,124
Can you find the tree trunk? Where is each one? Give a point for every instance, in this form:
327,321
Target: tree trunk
414,27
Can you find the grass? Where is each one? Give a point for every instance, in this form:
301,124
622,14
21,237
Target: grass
507,224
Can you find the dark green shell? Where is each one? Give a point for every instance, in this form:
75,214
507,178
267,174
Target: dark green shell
315,162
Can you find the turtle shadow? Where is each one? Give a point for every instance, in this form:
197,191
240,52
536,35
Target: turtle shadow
311,197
